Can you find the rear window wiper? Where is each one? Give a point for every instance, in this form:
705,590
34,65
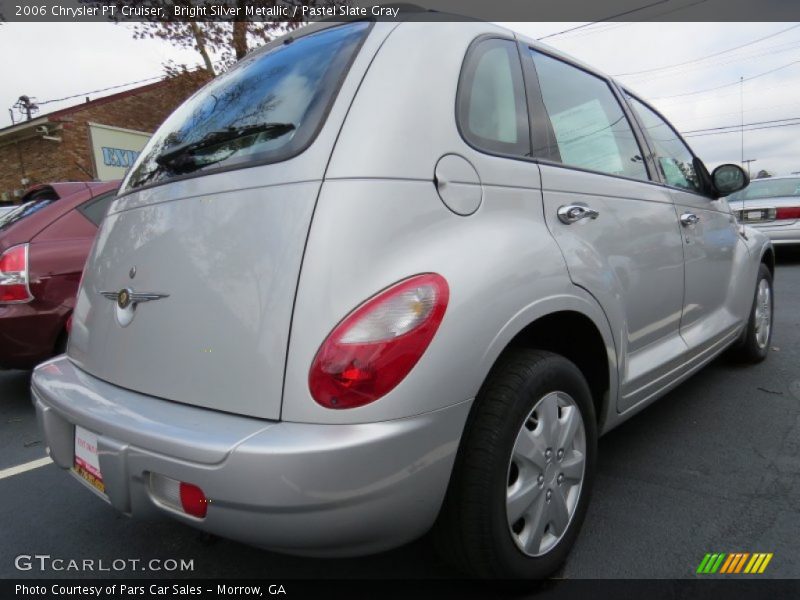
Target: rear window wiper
181,158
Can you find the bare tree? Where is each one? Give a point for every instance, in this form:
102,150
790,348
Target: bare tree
220,43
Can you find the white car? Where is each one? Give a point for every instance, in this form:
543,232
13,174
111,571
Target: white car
772,205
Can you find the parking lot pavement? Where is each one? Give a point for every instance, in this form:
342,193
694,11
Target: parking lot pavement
712,467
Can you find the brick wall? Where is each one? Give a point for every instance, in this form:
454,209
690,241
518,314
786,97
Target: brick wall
43,161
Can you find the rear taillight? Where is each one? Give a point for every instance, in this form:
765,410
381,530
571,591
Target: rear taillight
14,275
378,344
788,212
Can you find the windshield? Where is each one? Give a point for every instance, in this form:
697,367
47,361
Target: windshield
265,109
769,188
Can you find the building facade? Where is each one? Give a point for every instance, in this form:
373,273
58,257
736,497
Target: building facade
96,140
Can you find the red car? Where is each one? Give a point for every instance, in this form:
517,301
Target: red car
44,244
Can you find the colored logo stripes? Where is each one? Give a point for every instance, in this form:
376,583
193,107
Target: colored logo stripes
736,562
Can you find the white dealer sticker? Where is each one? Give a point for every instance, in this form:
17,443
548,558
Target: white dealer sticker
87,462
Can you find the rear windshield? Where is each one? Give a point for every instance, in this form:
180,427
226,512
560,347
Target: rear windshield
267,108
769,188
32,203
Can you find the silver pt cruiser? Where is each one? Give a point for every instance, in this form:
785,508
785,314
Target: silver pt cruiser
381,278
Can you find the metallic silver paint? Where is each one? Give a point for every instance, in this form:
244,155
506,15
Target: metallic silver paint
265,261
458,184
317,490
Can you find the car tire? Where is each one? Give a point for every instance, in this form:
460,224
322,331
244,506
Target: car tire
510,454
753,346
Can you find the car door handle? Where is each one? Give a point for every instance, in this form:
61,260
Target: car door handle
688,219
570,213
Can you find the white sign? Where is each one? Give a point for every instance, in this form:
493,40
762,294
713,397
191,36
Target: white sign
586,138
114,149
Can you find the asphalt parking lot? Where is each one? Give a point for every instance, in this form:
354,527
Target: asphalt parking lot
712,467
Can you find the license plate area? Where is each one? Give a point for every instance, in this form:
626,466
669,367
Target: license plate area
755,215
87,461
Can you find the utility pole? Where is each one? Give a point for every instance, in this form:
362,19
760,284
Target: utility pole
741,106
27,106
747,162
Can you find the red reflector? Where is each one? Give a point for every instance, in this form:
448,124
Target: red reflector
14,293
193,500
69,324
788,212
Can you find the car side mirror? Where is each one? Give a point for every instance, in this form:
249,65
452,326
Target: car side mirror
729,178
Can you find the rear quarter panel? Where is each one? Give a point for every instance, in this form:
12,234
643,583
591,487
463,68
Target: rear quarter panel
379,219
57,258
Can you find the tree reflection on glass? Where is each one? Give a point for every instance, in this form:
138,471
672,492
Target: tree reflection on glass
266,108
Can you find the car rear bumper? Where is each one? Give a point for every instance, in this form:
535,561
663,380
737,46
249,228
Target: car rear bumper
781,235
28,333
321,490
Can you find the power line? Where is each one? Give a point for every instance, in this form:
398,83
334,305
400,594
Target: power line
769,51
604,27
748,110
113,87
766,37
720,95
739,125
609,18
719,87
737,130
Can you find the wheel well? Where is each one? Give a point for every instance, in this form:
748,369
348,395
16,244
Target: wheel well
575,337
61,341
769,260
60,344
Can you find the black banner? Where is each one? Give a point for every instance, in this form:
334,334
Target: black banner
425,10
553,589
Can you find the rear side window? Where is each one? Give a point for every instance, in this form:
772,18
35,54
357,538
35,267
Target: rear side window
492,112
590,127
95,209
674,159
267,108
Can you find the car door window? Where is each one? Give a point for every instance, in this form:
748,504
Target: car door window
95,209
590,127
673,157
492,112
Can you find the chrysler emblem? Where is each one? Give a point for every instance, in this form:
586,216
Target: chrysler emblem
126,300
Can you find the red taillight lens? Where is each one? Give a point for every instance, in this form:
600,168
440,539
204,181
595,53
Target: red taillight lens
788,212
193,500
378,344
14,275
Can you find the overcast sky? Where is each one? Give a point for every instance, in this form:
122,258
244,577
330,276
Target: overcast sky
53,60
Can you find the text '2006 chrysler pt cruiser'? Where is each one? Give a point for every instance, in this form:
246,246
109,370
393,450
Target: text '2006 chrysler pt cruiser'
382,278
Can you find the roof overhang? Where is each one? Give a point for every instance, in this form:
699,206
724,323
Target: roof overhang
28,130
